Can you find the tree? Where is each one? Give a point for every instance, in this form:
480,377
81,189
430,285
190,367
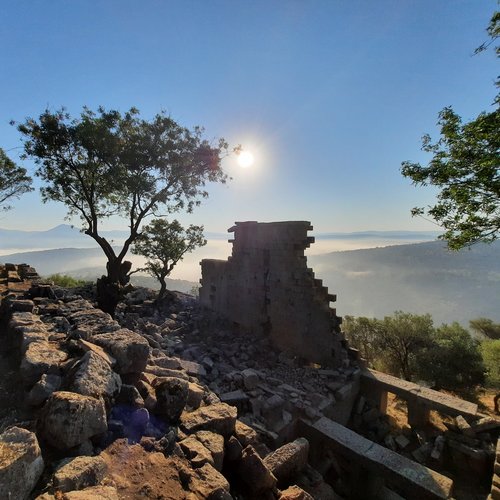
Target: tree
14,181
486,328
105,163
404,337
164,244
490,349
465,166
454,361
364,334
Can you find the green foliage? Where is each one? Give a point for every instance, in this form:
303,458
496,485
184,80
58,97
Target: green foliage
486,328
106,163
408,346
490,350
465,168
66,281
164,244
454,361
14,181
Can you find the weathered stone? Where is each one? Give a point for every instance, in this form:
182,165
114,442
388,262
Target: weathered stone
250,379
21,463
171,396
89,346
40,358
94,377
128,348
130,396
215,444
236,398
295,493
254,473
219,418
193,368
196,452
195,395
233,449
69,419
482,425
21,305
245,434
93,493
43,389
402,441
207,482
461,423
79,473
288,460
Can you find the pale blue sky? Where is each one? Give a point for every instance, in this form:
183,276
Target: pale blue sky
330,96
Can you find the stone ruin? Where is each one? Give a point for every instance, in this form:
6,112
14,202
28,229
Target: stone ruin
266,286
180,404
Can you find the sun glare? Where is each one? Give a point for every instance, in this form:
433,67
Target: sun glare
245,159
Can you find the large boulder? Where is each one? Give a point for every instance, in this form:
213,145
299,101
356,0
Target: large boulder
47,384
21,463
79,473
94,377
171,396
219,418
130,350
288,460
69,419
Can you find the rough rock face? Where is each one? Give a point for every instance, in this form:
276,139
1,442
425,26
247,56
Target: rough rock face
94,377
129,349
79,473
288,460
21,463
171,397
40,358
69,419
219,418
254,473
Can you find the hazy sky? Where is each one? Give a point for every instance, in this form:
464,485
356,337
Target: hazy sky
330,96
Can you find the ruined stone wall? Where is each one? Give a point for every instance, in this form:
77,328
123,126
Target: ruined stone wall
266,286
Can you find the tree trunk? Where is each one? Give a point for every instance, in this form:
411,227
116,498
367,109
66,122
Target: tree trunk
163,288
110,288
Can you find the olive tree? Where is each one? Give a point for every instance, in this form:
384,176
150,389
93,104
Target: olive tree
105,163
164,244
14,181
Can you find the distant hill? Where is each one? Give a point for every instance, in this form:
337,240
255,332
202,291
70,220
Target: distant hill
62,236
419,278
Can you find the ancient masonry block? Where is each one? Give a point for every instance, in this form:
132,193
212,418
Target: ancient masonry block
266,286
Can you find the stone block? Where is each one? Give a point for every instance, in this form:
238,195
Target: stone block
171,397
21,463
219,418
79,473
254,473
68,419
288,460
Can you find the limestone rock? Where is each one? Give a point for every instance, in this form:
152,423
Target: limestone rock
93,493
21,463
254,473
215,444
128,348
196,452
209,483
195,395
94,377
40,358
43,389
219,418
295,493
79,473
69,419
288,460
245,434
171,397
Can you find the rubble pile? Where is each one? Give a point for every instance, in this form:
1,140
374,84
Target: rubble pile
112,412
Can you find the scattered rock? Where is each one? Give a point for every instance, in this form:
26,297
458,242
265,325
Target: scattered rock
219,418
171,396
254,473
288,460
79,473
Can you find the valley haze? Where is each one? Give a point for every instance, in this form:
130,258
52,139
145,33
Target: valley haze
373,273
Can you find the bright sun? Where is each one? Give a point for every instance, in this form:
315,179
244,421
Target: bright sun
245,159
